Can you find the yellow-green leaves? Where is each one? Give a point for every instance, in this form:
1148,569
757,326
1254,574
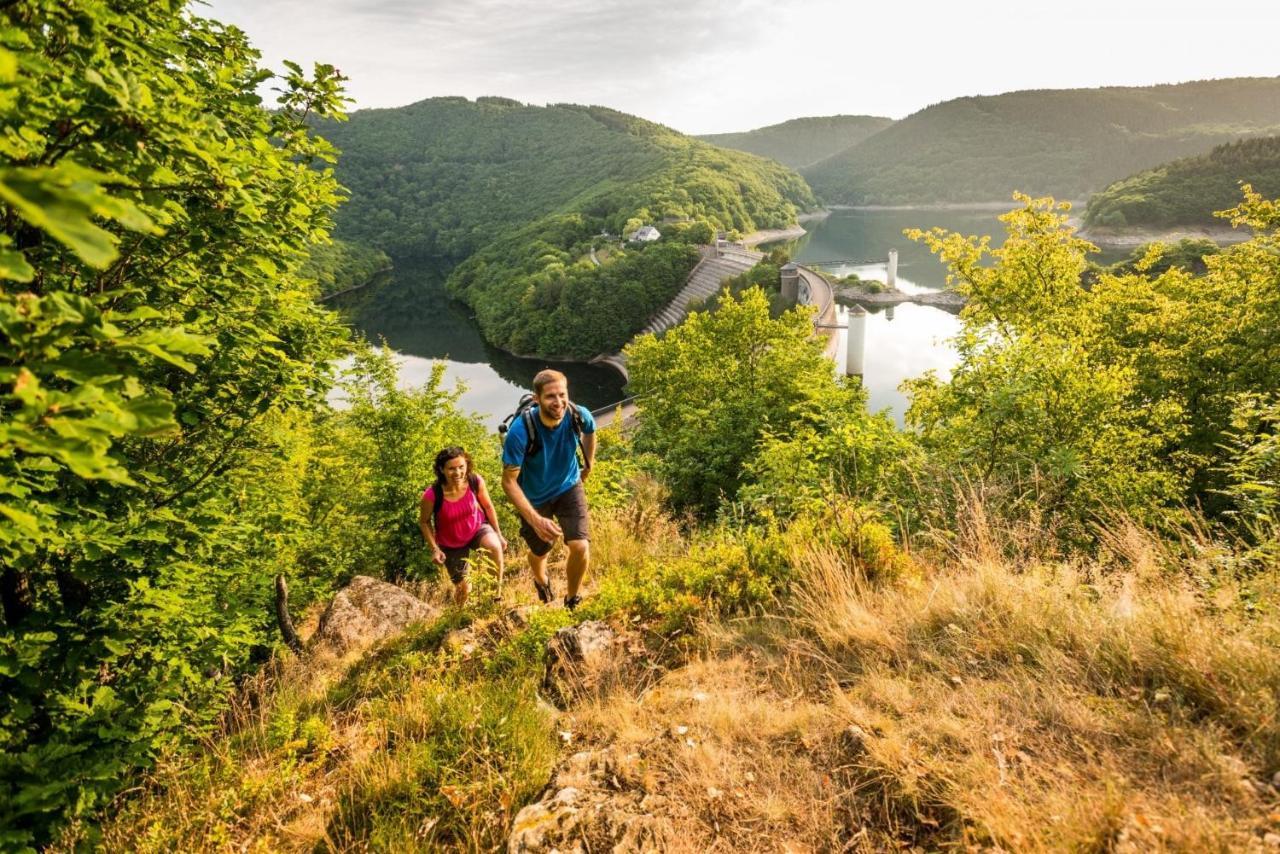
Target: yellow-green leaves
63,200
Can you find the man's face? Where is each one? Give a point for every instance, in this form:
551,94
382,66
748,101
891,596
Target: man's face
553,402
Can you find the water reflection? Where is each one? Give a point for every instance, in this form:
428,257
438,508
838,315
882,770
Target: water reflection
417,319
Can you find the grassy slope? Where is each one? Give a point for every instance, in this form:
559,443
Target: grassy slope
1064,142
1187,191
802,142
982,697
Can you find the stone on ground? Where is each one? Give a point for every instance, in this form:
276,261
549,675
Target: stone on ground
367,611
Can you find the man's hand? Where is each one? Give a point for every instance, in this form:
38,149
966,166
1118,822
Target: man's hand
585,472
546,529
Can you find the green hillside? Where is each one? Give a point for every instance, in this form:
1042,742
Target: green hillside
802,142
1066,143
536,186
1187,191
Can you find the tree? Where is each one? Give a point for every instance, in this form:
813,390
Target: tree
714,386
153,216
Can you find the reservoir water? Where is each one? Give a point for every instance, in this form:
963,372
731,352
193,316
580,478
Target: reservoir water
417,319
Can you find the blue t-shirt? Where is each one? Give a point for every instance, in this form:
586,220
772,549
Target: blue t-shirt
553,470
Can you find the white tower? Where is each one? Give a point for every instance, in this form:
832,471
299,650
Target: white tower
892,268
855,341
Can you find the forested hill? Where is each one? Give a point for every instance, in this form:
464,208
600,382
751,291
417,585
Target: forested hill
1067,143
802,142
448,177
1187,191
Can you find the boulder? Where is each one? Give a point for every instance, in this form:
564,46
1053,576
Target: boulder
597,801
366,611
578,658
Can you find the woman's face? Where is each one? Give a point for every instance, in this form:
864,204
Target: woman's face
455,470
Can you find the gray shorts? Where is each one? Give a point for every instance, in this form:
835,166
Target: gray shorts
457,562
569,508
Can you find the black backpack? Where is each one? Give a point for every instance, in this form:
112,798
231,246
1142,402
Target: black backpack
437,498
524,411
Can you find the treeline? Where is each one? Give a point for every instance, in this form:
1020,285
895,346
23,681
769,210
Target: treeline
802,142
1188,191
340,265
525,192
1067,143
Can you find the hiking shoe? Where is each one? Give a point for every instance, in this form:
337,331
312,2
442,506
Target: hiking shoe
543,591
572,602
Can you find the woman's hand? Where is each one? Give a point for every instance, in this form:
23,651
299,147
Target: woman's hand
438,556
503,541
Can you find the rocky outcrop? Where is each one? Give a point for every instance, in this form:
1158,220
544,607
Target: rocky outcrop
366,611
579,658
597,801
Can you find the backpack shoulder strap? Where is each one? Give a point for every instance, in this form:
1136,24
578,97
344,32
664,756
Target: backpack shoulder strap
473,480
437,501
533,442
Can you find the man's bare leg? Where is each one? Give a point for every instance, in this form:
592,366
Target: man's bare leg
576,567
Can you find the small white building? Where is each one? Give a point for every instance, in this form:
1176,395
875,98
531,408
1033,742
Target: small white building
645,234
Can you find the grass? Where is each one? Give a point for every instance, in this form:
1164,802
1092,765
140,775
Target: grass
815,689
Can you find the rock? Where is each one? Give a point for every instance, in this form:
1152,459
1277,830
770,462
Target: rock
518,618
579,657
1275,779
462,642
596,802
1271,840
366,611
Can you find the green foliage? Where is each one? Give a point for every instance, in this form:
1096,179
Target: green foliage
372,462
1066,143
1116,397
1154,258
524,192
730,571
530,298
341,265
156,215
1186,192
802,142
713,387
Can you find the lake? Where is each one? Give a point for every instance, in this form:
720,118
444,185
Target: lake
414,315
908,340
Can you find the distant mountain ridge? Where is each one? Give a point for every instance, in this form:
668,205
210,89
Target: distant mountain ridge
802,142
1187,191
1066,143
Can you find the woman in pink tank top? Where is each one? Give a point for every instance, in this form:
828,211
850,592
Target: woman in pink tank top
456,517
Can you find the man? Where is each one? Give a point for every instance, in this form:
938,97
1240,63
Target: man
545,484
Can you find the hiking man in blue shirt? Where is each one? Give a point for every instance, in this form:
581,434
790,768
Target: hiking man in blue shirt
542,477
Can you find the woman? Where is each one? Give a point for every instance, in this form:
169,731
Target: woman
456,517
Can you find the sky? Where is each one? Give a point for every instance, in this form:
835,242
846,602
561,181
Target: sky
712,66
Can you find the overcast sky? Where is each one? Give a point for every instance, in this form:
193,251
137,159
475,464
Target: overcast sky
707,66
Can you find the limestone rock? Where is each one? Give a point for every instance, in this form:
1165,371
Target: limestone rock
579,657
366,611
462,642
597,801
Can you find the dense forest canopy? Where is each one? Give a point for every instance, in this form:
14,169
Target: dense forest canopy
526,192
1062,142
802,142
339,265
1186,192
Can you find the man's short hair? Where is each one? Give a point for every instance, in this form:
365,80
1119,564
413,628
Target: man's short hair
547,377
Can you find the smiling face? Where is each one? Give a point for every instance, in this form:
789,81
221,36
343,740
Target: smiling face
553,402
455,471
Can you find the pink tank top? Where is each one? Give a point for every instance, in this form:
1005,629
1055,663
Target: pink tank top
458,521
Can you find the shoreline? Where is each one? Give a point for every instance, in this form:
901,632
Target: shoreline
1131,238
942,206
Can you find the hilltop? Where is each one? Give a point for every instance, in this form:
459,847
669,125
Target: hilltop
1186,192
517,196
802,142
1066,143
